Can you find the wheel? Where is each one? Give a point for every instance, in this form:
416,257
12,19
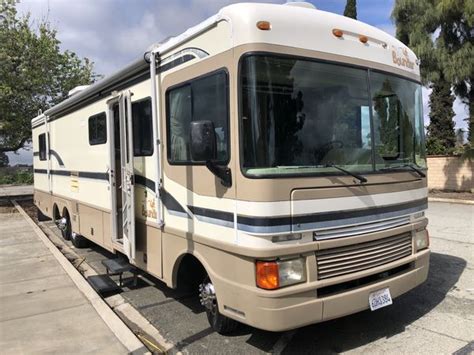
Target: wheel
79,241
220,323
65,226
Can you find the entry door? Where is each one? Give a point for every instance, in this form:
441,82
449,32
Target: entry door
128,181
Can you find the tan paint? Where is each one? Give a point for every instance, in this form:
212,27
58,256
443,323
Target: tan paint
198,178
91,224
148,252
286,308
231,266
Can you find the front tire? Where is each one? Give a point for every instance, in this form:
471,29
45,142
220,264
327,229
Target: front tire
220,323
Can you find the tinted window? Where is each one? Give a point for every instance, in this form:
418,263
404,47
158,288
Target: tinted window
200,99
396,107
42,146
142,128
98,129
302,116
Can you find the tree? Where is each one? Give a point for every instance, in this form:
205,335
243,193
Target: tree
4,160
440,33
455,47
441,136
34,75
351,9
387,106
459,137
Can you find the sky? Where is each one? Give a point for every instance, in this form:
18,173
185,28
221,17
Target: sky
113,33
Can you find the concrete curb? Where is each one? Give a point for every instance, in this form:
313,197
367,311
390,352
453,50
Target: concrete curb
142,328
115,324
450,200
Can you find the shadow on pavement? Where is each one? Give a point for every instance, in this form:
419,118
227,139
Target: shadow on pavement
365,327
181,319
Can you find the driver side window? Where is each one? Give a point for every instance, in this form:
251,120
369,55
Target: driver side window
204,98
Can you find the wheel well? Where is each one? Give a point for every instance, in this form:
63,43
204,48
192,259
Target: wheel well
56,214
190,273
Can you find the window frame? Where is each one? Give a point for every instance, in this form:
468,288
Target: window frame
95,141
368,70
40,155
223,70
139,101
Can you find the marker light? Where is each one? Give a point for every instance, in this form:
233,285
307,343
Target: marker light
267,275
337,32
363,39
264,25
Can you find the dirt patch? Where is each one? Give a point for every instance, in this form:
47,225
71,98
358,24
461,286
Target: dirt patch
452,195
30,209
6,206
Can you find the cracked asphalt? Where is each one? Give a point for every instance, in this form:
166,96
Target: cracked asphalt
435,318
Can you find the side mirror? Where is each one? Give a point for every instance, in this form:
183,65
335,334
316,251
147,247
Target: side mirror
203,141
204,149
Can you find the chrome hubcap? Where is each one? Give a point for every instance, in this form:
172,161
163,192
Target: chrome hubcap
207,295
62,223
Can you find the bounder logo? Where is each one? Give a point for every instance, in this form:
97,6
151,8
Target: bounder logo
401,58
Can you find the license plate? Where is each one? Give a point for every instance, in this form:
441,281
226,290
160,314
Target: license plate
379,299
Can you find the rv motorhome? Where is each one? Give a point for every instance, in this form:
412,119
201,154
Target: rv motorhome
271,158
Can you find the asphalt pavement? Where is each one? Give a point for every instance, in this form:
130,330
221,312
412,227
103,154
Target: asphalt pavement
435,318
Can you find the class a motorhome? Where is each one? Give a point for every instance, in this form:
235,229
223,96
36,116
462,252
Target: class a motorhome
271,158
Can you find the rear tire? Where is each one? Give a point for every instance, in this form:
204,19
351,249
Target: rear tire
220,323
67,232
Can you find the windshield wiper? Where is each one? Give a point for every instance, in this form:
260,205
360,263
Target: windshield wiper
411,166
357,176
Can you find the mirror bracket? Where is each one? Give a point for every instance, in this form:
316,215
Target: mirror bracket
222,172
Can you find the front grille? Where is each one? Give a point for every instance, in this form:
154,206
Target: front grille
363,228
353,284
357,257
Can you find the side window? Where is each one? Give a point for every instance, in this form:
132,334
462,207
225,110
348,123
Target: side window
98,129
42,146
142,128
200,99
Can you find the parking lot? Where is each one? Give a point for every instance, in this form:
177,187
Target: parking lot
437,317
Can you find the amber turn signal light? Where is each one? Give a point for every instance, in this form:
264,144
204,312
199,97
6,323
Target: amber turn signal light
267,275
363,39
264,25
337,32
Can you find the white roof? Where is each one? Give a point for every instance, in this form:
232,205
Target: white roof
308,28
298,25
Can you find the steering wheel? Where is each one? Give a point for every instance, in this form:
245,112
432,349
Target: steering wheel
326,147
331,145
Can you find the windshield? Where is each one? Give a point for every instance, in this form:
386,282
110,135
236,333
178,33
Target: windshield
301,116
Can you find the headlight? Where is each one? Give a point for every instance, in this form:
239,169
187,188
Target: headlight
422,239
271,275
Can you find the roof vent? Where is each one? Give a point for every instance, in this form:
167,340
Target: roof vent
304,4
77,90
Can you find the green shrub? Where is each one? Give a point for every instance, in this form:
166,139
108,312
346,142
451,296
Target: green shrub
16,177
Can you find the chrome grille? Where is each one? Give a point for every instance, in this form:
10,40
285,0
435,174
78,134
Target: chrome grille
363,228
357,257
